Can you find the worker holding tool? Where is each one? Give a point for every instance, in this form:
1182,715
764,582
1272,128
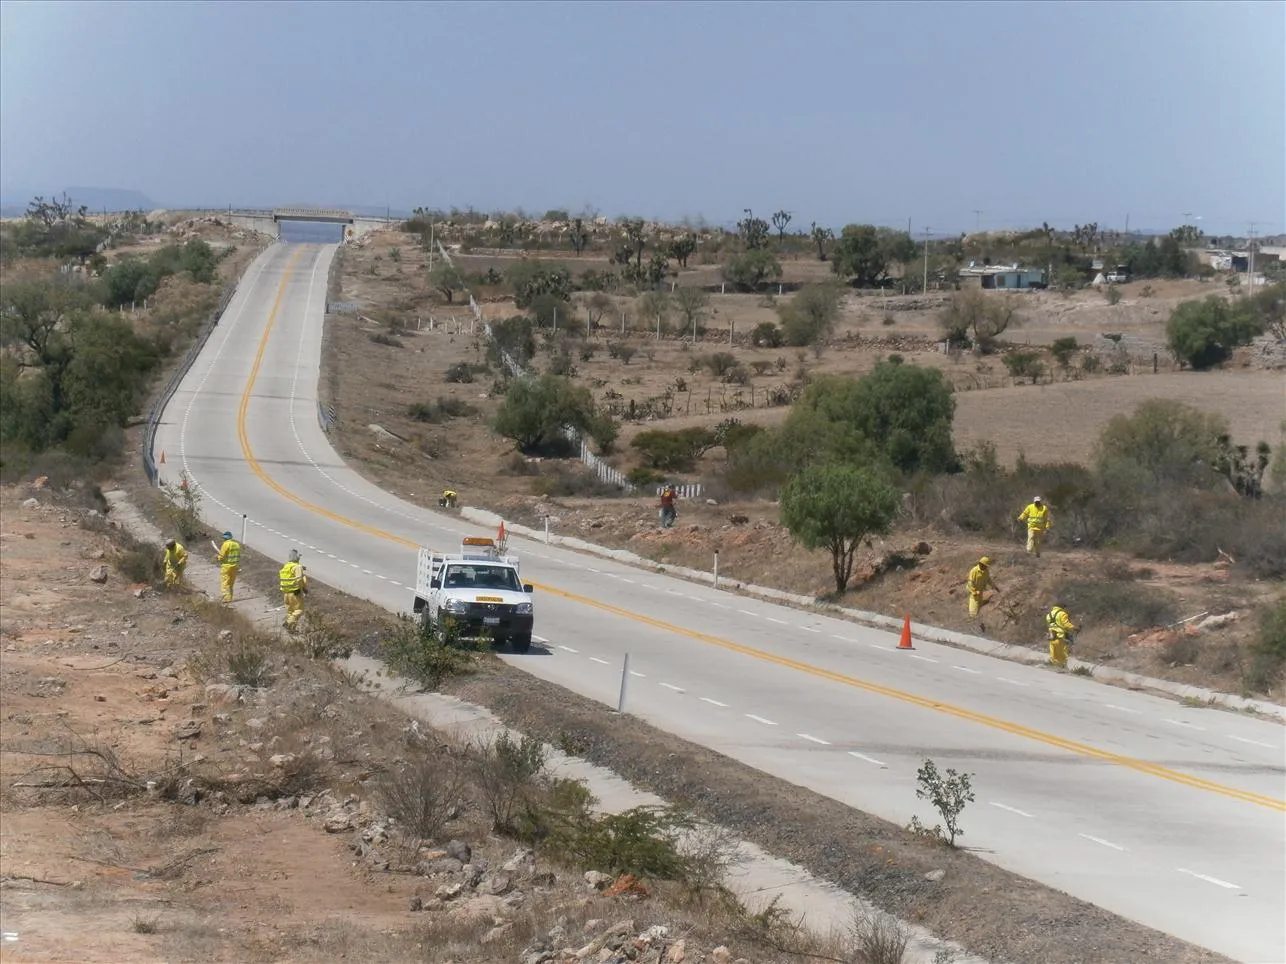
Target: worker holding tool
176,560
1036,515
448,499
228,556
1062,633
978,584
293,586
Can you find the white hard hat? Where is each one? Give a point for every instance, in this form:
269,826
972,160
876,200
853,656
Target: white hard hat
1036,499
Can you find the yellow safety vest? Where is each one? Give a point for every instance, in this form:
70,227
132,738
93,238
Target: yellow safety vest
1055,620
176,558
1037,517
292,577
230,553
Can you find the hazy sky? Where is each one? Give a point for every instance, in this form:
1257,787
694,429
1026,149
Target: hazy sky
834,111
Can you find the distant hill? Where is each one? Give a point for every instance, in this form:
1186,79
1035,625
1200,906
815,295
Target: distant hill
97,199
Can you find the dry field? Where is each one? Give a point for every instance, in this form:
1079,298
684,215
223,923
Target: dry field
368,383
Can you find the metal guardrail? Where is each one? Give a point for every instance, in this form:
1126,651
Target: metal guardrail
172,386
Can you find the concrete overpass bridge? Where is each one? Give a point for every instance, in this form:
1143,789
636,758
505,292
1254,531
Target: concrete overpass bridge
269,222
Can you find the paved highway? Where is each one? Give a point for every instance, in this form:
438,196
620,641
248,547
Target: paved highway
1171,816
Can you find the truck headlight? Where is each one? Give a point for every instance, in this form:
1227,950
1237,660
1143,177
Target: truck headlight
522,609
455,606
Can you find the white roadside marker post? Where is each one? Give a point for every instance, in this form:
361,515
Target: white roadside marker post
625,682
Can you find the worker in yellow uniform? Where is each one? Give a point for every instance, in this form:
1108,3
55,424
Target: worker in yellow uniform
176,560
978,584
1038,520
1062,633
448,499
293,586
229,560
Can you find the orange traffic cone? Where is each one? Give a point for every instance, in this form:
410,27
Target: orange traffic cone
905,641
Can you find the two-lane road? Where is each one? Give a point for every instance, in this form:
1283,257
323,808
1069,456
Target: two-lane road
1170,816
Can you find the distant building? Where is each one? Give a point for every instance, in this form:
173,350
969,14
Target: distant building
1003,277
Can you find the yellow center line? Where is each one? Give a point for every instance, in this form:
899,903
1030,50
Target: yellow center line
1015,729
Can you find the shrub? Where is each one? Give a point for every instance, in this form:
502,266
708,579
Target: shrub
719,364
1171,441
1025,364
507,776
1272,633
1204,333
642,476
422,795
575,480
949,793
750,270
427,652
674,451
1113,294
382,338
767,335
460,373
1063,349
141,562
249,664
1127,604
809,317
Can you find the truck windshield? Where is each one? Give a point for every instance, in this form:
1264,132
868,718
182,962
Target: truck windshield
482,577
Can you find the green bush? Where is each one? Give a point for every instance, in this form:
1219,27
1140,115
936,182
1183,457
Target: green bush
444,409
809,317
1204,333
1130,604
1025,364
1272,633
673,451
766,334
427,652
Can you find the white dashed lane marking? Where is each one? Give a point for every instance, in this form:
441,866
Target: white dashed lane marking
706,699
760,719
1242,739
567,649
868,759
603,661
966,669
1123,709
925,659
1100,840
1011,682
1003,806
1191,726
1210,880
814,739
671,686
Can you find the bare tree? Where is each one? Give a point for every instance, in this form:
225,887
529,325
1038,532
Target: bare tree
692,304
821,237
578,236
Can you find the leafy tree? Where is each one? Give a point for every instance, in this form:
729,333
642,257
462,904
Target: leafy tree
1267,310
1063,350
767,335
55,228
821,237
446,278
976,316
904,411
864,252
535,412
515,335
1169,441
673,451
836,507
780,220
635,240
753,231
692,304
682,248
1204,333
749,271
549,311
1025,364
596,306
654,306
530,277
809,317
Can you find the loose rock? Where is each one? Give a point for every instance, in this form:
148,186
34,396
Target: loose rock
98,574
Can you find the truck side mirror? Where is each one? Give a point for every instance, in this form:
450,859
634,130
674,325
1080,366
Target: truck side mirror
528,587
435,582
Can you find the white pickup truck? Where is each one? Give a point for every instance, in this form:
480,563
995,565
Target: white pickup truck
476,590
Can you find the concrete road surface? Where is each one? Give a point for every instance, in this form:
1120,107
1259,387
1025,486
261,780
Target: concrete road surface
1172,816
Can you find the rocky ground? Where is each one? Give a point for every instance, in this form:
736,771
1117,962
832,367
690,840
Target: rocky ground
180,785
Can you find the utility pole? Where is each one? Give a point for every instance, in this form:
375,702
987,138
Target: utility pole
926,259
1250,273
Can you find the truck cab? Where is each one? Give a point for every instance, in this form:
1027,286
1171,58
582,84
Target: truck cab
476,591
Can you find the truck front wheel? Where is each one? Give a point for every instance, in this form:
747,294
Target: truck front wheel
520,644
